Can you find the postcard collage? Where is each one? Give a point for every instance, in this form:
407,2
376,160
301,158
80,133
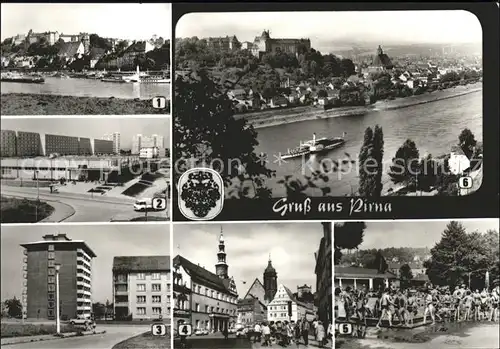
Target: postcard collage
220,175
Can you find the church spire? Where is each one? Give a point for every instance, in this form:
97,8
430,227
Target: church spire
221,268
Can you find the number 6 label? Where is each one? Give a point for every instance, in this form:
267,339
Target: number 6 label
465,182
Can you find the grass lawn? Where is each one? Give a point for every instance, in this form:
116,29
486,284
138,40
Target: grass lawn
23,210
20,330
145,341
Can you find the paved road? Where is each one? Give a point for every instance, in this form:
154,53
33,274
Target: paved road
214,342
218,342
87,209
114,335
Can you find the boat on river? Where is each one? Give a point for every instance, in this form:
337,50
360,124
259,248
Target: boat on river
315,146
325,144
21,78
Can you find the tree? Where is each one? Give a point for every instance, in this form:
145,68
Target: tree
99,310
405,275
207,131
370,163
14,307
347,67
379,263
348,235
405,164
467,142
322,93
455,256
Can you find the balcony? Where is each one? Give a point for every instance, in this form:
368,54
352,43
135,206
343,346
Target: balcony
121,292
121,304
82,275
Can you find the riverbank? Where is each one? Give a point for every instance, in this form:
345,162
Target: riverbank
44,104
269,118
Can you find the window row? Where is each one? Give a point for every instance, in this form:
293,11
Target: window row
142,311
213,294
154,299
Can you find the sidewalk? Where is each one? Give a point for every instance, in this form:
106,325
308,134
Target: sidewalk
46,337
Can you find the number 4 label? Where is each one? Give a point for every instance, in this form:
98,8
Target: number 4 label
159,203
185,330
159,330
465,182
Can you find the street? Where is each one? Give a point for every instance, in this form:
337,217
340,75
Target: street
114,334
217,341
214,341
87,209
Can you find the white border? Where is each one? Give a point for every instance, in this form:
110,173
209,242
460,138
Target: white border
216,174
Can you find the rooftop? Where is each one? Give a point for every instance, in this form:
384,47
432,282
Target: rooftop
358,272
202,275
59,239
141,263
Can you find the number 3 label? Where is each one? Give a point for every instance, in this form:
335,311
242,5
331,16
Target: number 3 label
159,330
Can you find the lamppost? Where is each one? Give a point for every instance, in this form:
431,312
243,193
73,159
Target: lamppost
58,321
37,196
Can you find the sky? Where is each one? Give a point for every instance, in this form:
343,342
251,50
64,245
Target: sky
94,127
107,241
121,21
323,28
248,245
415,234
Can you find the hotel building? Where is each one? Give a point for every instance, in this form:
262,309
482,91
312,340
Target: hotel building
141,287
75,278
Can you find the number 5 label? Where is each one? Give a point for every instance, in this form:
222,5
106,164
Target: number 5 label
159,330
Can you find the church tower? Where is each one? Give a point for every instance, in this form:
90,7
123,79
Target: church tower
270,282
379,50
221,268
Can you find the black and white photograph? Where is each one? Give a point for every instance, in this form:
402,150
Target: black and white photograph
417,284
85,59
331,104
99,286
252,285
85,169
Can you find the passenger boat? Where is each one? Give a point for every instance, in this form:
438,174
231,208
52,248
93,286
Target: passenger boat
315,146
325,144
15,77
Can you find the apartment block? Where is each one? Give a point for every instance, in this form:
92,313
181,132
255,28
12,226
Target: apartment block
141,287
75,277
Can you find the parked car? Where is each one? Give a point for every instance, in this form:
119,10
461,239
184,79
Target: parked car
232,330
241,332
198,332
85,323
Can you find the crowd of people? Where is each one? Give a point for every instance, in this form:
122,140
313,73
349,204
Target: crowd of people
438,303
291,333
